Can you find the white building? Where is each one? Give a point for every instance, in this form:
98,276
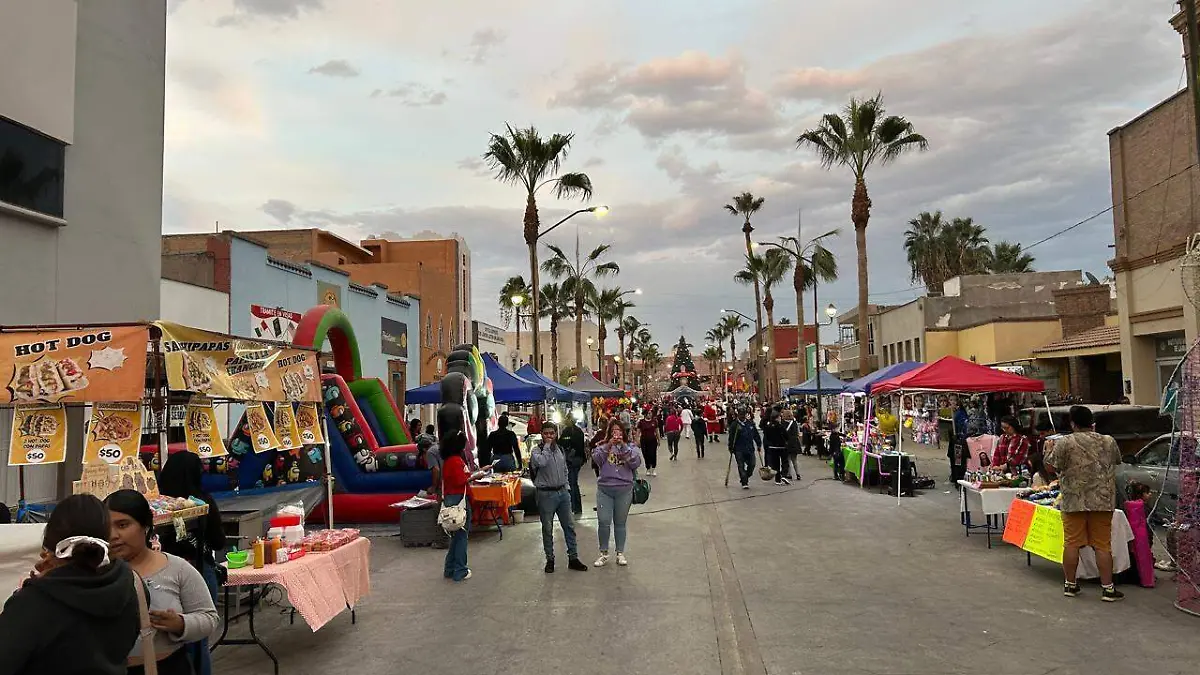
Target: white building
81,153
490,340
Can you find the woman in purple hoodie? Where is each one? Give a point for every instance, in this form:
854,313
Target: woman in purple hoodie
617,459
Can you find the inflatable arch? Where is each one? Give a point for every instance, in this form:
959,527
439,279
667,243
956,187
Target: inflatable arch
327,322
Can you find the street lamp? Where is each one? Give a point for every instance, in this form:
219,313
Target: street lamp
517,300
830,312
591,342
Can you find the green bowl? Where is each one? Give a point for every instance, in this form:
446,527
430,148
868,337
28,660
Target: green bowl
237,559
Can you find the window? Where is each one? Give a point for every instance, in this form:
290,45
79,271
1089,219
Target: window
870,338
1155,454
428,330
441,343
908,350
916,349
31,169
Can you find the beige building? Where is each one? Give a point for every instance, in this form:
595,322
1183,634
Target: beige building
1155,184
852,363
566,347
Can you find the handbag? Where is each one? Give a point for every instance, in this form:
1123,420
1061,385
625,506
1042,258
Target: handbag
145,630
452,518
641,489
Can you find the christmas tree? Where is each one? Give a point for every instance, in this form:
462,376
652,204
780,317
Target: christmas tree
683,371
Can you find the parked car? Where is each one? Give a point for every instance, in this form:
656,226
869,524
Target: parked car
1133,426
1156,465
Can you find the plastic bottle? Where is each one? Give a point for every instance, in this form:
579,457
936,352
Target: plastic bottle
259,553
293,534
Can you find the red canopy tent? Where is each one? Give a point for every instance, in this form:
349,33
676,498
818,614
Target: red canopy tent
953,374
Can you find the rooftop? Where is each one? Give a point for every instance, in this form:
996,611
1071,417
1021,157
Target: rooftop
1099,340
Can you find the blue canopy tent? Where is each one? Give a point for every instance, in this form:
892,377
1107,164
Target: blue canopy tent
830,385
862,386
560,392
506,387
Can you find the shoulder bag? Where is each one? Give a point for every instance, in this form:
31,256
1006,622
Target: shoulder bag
452,518
145,630
641,489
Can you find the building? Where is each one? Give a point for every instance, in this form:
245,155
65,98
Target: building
789,366
852,365
81,177
1086,362
490,340
1155,183
522,354
268,295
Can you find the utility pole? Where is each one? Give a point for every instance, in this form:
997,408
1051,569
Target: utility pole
1193,65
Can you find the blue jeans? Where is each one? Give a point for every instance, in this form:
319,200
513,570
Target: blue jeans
556,503
612,509
456,554
505,464
573,483
745,465
198,652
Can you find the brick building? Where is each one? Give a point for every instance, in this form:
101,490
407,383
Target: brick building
1087,359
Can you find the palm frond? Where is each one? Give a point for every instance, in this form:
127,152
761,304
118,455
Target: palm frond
573,186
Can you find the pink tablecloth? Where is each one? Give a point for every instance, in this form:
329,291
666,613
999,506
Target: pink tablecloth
319,585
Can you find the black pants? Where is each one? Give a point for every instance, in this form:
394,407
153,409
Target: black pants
650,453
745,465
177,663
839,465
673,444
700,445
777,460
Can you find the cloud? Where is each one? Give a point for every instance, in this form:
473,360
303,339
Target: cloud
335,68
279,209
592,162
692,92
475,166
413,95
483,42
275,10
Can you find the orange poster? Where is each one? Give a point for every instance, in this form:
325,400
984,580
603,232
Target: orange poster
113,433
261,434
200,429
1016,527
285,426
221,366
39,435
73,366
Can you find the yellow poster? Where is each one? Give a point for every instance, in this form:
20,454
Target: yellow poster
218,365
261,434
39,435
285,426
201,431
308,421
113,433
1045,538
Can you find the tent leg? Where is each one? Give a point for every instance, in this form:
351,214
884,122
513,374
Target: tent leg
1046,400
328,470
900,449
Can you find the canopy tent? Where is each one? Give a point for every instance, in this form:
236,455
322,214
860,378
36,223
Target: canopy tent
560,392
864,385
685,391
953,374
830,384
588,384
506,387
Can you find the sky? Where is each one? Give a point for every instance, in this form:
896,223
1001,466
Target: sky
369,117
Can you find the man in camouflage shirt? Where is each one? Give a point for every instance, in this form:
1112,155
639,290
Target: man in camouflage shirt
1086,463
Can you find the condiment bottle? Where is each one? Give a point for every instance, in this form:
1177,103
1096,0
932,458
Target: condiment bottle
259,553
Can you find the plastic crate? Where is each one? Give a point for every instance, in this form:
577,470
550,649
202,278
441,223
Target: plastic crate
419,527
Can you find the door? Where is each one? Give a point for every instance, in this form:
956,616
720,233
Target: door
396,382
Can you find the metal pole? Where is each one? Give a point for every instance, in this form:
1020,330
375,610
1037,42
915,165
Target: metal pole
1193,65
817,347
328,463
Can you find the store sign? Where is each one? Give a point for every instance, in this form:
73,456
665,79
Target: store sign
200,431
393,337
218,365
1170,347
329,294
113,433
273,323
485,332
76,366
39,435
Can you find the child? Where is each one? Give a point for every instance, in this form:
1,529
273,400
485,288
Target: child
1136,491
839,458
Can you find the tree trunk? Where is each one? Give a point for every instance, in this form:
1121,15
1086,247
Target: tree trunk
579,333
860,213
531,241
758,324
553,347
772,363
621,364
602,333
801,344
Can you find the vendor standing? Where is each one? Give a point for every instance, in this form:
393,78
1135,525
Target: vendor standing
506,449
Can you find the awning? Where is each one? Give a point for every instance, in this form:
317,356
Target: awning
829,384
953,374
560,392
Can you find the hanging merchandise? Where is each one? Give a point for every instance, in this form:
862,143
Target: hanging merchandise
203,436
308,421
285,426
113,433
39,435
259,431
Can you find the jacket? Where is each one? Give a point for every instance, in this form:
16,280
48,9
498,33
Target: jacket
744,438
70,622
572,442
774,434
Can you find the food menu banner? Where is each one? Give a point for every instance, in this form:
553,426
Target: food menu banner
308,421
218,365
285,426
200,429
74,366
113,433
262,436
39,435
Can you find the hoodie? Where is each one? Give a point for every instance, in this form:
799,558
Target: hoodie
70,622
617,464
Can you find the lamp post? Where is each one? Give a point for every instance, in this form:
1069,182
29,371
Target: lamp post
588,365
831,312
758,374
517,300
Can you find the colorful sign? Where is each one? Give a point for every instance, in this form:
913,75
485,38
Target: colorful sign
218,365
285,426
39,435
201,431
273,323
260,432
113,433
329,294
1035,528
393,337
308,421
78,366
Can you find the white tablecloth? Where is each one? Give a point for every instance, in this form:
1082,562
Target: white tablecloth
1122,535
987,502
20,546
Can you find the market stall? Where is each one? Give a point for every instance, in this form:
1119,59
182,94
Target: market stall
493,499
989,499
1037,529
507,387
556,390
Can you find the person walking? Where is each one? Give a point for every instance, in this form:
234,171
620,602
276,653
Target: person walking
744,442
455,477
550,476
686,417
506,449
673,426
575,447
1086,463
618,460
775,440
700,431
791,430
711,422
647,438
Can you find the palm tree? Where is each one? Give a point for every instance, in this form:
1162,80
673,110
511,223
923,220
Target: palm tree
732,324
651,359
767,270
714,354
860,137
522,157
1008,258
513,287
812,262
607,305
967,245
556,306
938,250
744,206
576,277
628,325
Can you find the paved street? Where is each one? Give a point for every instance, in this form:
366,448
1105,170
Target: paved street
819,578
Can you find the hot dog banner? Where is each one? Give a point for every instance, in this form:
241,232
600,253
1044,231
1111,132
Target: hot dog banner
73,366
218,365
113,433
39,435
262,436
308,422
200,429
286,430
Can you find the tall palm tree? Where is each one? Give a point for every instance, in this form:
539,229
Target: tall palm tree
862,136
811,262
714,354
522,157
606,305
628,325
576,277
938,250
556,306
967,245
513,287
732,324
767,270
1008,258
651,359
744,206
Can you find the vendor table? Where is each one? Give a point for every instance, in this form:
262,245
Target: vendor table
991,503
1038,530
492,503
319,585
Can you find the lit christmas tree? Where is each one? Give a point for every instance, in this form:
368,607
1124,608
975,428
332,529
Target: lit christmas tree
683,371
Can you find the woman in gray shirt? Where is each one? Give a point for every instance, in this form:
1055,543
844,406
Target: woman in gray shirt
181,609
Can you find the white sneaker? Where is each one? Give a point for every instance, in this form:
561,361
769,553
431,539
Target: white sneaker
745,487
653,472
621,560
602,560
468,575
